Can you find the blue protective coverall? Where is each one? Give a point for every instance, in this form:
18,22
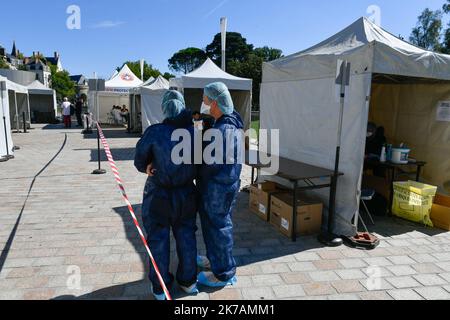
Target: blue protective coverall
219,186
170,201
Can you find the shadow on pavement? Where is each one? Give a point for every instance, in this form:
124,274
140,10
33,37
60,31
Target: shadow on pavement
119,154
137,290
114,133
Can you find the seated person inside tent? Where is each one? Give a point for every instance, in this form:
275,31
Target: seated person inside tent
375,176
375,140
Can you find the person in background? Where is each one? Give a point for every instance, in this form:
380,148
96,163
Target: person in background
125,113
218,185
170,201
375,140
78,111
65,111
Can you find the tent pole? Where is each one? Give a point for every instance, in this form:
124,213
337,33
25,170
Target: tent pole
17,112
329,238
29,108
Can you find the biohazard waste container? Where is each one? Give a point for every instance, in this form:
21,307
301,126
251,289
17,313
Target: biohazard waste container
413,201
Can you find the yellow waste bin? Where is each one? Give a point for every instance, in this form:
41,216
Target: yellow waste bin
413,201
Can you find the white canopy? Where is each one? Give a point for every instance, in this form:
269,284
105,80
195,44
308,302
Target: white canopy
151,97
148,82
299,97
193,83
4,112
370,48
36,87
43,106
10,103
13,86
159,83
208,73
123,81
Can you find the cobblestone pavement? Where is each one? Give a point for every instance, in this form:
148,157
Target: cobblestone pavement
75,222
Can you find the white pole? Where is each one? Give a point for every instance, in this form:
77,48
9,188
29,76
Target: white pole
142,69
17,112
223,27
3,87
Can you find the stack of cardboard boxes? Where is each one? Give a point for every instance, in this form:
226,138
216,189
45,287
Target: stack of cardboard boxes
273,204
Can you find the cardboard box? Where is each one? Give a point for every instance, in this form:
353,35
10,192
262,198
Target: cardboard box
440,212
309,215
260,198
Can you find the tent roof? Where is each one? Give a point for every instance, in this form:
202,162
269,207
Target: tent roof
125,79
36,87
369,48
159,84
10,85
148,82
209,72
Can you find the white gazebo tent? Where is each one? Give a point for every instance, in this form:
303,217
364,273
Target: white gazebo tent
123,81
6,142
43,105
392,82
17,101
146,104
117,92
148,82
192,85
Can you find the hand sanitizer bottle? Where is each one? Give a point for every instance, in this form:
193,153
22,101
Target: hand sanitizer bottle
383,155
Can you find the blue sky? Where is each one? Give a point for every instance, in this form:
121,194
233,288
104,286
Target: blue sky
114,31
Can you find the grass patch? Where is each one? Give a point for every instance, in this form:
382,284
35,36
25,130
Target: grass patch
255,125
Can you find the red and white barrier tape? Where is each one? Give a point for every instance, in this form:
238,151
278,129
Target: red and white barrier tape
119,181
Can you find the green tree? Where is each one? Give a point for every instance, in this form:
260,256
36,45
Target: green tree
427,33
187,60
252,68
135,66
3,64
268,54
62,84
446,7
168,75
446,43
237,48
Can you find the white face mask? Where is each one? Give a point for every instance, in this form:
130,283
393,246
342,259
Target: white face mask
205,109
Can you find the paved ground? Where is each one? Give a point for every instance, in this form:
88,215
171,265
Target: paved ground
76,223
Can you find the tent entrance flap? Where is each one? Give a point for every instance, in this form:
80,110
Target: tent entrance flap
408,111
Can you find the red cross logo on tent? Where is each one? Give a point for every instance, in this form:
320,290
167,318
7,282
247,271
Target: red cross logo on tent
127,77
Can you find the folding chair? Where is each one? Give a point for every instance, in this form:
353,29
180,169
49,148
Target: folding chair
367,195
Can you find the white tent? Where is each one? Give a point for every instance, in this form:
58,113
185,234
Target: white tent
193,83
148,82
146,104
101,103
6,143
151,97
17,101
43,105
123,81
298,97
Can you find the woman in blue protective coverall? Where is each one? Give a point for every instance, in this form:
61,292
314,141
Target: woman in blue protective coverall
169,200
218,189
